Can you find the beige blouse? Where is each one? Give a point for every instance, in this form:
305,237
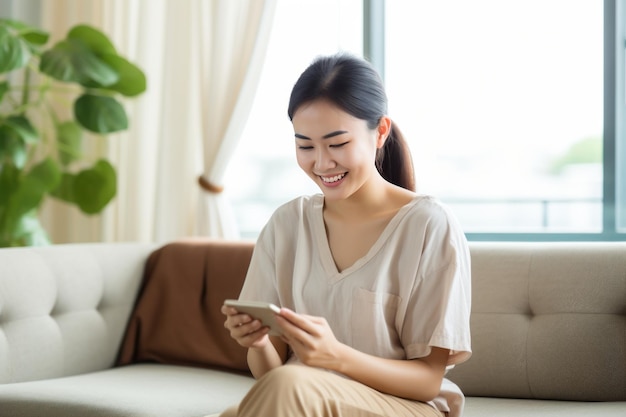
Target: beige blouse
410,292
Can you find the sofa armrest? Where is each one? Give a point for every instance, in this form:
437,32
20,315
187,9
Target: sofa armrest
63,308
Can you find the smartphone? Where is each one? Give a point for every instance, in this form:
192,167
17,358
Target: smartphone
265,312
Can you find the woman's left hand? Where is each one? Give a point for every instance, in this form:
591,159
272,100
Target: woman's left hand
310,338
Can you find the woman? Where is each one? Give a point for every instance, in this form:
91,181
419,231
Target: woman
373,279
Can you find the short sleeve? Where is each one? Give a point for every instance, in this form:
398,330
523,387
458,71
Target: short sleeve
260,282
439,307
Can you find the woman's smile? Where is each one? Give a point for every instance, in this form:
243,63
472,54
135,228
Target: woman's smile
333,181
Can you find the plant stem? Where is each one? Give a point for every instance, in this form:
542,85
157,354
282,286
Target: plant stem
25,89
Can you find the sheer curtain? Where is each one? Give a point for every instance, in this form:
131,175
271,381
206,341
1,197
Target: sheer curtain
230,68
202,60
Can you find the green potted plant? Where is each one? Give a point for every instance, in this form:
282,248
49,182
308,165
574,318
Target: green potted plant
41,152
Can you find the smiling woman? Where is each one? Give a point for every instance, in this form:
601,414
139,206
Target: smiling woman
399,256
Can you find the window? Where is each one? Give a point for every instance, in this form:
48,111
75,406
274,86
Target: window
615,117
514,110
263,173
502,104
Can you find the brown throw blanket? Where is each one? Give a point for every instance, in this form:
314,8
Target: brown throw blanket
177,318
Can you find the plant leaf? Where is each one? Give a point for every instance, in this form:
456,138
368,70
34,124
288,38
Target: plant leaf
41,179
29,192
100,114
69,137
72,61
16,133
100,45
12,147
95,187
23,128
29,231
30,34
9,180
132,81
65,190
4,87
14,51
91,37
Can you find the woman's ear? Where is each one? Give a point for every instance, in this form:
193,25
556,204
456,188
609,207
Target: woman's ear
384,129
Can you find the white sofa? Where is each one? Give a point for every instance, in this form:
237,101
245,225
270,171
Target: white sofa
548,323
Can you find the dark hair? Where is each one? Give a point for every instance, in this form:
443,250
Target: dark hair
353,85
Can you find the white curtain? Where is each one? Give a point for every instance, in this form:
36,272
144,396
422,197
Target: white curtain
233,41
202,59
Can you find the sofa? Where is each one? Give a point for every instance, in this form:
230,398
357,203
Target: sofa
134,329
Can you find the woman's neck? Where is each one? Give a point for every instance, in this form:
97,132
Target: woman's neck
376,198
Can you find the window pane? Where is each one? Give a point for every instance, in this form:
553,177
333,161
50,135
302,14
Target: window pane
620,112
501,102
263,173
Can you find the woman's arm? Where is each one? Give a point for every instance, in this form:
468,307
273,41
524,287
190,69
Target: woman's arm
263,359
416,379
264,352
314,344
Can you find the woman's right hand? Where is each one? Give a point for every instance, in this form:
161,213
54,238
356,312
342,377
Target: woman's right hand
247,331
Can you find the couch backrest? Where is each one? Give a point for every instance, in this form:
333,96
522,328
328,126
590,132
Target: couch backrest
64,308
548,321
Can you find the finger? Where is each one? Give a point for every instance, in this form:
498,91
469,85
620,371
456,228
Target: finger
301,321
250,333
292,334
228,311
239,320
288,313
239,330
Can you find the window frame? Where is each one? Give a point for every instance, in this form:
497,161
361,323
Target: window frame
614,129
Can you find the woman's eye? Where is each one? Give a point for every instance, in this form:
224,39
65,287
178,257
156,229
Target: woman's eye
338,145
305,148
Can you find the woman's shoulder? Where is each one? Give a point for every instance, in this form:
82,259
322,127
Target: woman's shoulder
300,204
442,237
433,214
424,205
290,219
294,210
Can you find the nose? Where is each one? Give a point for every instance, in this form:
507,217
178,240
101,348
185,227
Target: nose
323,159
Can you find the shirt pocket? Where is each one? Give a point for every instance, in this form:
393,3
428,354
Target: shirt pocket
374,324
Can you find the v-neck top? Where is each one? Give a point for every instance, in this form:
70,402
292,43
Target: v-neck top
327,258
409,292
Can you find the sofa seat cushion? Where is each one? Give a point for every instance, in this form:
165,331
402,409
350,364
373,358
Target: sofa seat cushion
142,390
504,407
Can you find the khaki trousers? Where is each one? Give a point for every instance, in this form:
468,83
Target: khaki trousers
302,391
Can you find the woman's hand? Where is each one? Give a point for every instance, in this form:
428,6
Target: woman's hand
248,332
314,343
311,339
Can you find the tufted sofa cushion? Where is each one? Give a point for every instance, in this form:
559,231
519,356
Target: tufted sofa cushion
548,322
63,309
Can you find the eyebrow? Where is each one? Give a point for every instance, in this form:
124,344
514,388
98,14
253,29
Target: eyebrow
326,136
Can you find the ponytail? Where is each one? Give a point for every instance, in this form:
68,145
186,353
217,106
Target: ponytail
394,161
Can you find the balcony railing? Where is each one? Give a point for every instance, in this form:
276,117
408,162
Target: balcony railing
583,215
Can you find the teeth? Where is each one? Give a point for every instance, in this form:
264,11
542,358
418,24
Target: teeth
333,179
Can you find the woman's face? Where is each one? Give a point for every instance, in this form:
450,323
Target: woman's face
334,148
